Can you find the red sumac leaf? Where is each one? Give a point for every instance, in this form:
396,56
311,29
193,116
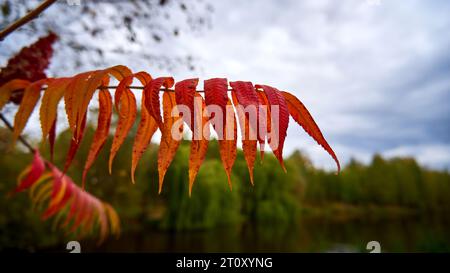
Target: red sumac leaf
216,93
302,116
264,112
184,95
74,145
280,123
152,102
29,64
244,95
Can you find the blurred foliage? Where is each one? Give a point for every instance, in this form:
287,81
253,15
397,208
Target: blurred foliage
278,199
397,182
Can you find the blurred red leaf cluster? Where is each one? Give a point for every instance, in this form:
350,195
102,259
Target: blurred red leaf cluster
29,64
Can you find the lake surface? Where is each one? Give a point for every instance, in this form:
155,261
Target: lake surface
410,234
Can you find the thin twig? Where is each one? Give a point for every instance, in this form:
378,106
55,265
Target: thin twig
25,19
142,88
21,139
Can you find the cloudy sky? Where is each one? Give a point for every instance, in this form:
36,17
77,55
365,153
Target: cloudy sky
375,75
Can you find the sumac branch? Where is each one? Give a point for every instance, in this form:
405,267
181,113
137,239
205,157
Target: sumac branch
255,106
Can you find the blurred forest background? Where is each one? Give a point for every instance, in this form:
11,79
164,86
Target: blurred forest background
395,201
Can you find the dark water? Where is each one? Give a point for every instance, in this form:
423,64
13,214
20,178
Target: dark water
411,234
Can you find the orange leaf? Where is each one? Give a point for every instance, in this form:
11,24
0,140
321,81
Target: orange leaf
72,97
49,104
171,135
146,130
102,131
8,88
200,139
97,79
147,127
152,102
127,115
227,146
245,94
142,76
49,109
30,98
280,123
216,94
302,116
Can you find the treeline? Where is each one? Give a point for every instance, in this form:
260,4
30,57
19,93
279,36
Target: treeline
276,198
394,182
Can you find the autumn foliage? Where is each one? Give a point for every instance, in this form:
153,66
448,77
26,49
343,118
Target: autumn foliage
75,209
79,90
262,112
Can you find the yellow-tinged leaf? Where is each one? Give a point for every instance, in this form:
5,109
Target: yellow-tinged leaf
102,220
114,220
59,194
42,194
40,187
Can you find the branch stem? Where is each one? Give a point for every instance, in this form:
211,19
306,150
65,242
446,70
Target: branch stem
142,87
21,139
25,19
